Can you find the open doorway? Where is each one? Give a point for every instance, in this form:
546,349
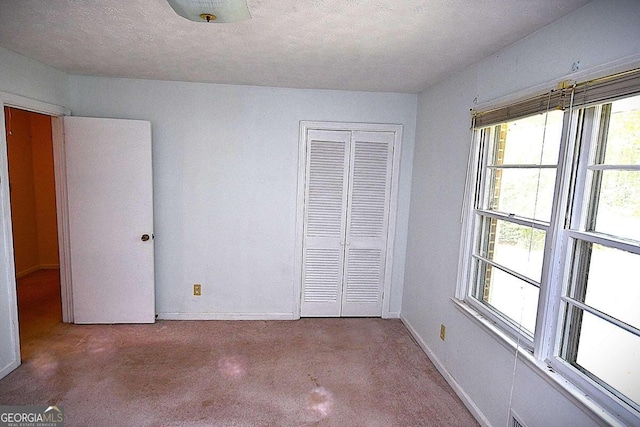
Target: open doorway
34,223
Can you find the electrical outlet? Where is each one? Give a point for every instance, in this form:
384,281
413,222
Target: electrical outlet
197,289
443,332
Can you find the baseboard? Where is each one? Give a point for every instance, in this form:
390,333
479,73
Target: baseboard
225,316
49,266
28,271
392,315
37,268
8,369
468,402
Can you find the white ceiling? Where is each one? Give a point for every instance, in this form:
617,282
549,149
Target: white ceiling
368,45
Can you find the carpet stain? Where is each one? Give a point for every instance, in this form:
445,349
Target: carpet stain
314,380
233,367
320,403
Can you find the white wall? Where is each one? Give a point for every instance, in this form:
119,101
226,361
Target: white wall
31,79
603,32
23,76
225,173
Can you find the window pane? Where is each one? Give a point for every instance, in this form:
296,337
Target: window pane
522,192
528,142
623,136
619,204
609,282
509,295
516,247
609,353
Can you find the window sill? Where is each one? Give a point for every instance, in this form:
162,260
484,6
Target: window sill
548,374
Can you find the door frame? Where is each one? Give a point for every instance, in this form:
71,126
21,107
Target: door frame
6,245
305,126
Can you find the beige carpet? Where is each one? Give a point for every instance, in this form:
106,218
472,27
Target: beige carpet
311,372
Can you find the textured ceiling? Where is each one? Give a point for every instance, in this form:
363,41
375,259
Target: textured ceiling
369,45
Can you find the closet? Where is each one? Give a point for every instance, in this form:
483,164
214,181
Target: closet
347,204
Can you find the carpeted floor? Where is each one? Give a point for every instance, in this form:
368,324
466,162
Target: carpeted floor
311,372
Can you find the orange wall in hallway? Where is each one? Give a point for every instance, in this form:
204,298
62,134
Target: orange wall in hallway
33,210
45,191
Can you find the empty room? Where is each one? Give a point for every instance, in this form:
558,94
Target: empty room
327,212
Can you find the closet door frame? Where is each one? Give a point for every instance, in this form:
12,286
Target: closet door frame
305,127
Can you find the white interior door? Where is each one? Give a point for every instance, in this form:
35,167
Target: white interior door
109,180
346,221
9,332
367,223
324,222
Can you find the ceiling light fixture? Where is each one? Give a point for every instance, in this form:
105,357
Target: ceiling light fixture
213,11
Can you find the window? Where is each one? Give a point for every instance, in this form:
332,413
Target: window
601,302
513,213
551,250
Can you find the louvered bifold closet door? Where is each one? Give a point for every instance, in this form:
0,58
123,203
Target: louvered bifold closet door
367,223
324,222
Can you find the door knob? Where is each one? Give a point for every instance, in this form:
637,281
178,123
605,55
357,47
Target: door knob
144,237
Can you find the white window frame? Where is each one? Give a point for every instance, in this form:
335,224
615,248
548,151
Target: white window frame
570,190
576,231
471,223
